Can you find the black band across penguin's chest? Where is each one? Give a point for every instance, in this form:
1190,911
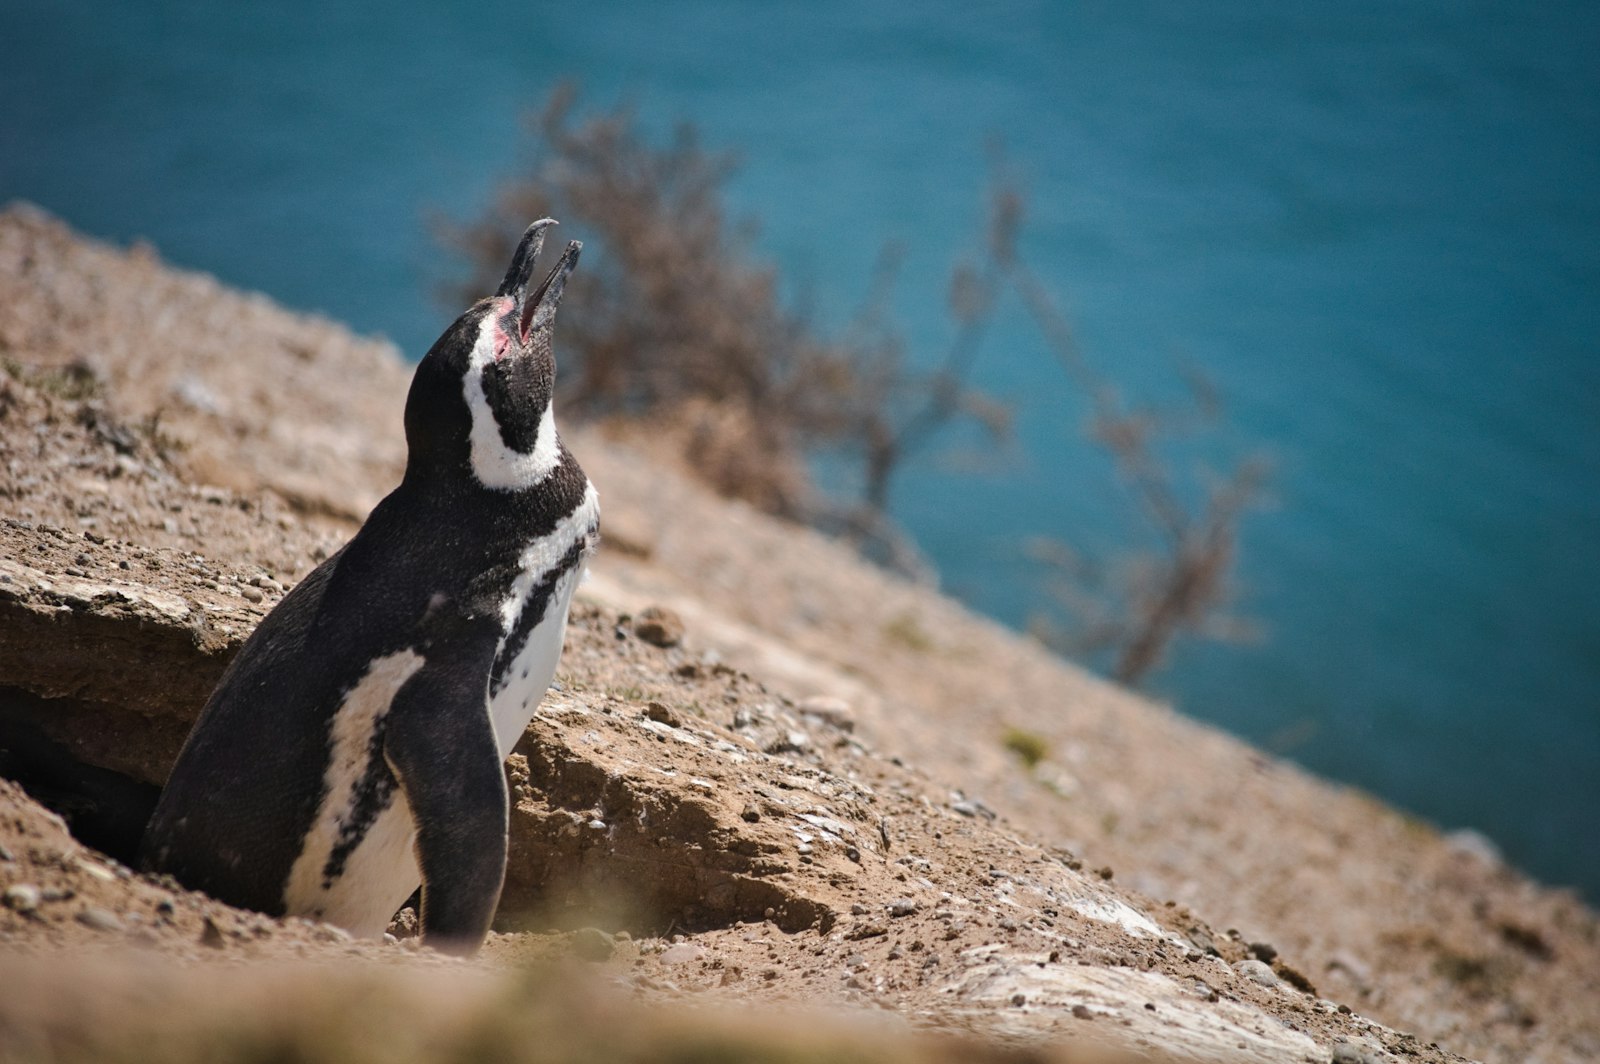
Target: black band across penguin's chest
533,612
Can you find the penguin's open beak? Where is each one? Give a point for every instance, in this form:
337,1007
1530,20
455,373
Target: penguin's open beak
537,310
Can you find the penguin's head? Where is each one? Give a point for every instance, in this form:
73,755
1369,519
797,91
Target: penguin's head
482,393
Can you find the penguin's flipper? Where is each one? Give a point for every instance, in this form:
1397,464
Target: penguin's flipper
440,744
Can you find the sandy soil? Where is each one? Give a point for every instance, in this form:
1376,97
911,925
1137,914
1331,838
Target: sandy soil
806,798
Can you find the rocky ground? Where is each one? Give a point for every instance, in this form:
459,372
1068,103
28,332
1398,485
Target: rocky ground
768,774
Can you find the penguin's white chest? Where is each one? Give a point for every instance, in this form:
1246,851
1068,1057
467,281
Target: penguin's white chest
550,570
530,672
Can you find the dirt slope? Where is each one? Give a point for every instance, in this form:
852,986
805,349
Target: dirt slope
810,789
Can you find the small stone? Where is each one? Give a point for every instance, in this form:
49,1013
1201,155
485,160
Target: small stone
790,742
1263,951
681,953
867,929
211,935
902,907
1203,941
858,909
99,920
661,714
658,626
1257,972
333,933
1295,979
404,925
593,944
84,559
1082,1012
1018,1000
855,960
1474,844
1345,1053
965,808
751,813
5,854
251,594
22,898
834,711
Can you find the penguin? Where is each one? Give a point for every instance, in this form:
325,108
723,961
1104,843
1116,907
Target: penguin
354,749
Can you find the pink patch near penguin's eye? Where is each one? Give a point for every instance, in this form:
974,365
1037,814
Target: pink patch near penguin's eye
501,342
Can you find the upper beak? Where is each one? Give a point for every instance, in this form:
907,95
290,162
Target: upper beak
537,309
521,268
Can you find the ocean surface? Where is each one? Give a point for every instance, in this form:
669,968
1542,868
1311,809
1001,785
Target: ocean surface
1375,226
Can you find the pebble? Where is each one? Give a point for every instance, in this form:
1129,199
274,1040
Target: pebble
593,944
661,714
99,920
834,711
681,953
658,626
251,594
1350,1053
22,898
902,907
751,813
1257,972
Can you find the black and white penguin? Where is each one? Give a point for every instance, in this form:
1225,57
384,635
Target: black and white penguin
354,749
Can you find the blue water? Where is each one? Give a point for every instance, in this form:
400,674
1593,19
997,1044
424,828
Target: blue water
1376,226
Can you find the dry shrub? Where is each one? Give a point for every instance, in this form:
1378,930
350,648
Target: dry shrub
675,335
674,326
